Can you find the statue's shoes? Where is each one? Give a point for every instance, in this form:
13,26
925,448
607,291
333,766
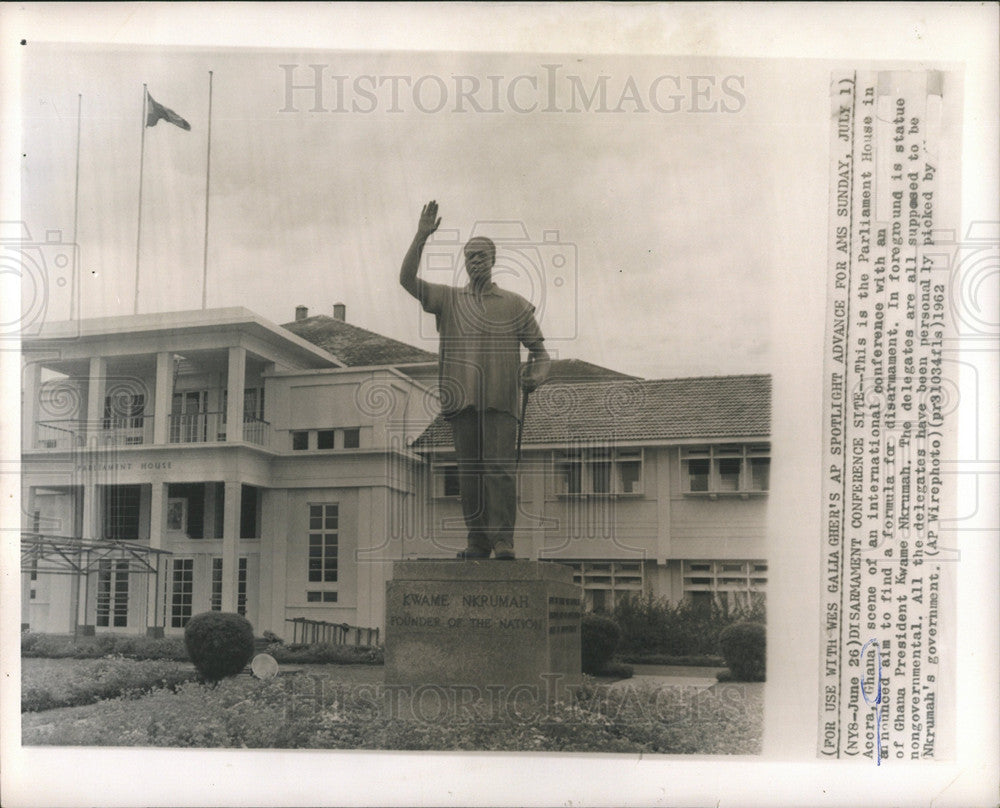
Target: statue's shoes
471,554
505,555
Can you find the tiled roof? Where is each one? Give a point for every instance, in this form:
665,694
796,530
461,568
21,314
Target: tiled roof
355,346
710,407
576,371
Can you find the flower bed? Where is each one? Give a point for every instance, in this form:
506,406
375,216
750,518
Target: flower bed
290,712
51,683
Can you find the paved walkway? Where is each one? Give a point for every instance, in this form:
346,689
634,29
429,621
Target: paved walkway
657,676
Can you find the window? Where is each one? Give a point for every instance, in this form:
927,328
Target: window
599,470
726,469
190,516
124,410
182,588
446,480
241,586
249,512
216,585
189,417
253,404
327,438
121,512
732,581
112,593
321,597
177,515
606,583
323,527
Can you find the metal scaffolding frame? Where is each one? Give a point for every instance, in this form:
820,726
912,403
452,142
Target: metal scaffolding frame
44,554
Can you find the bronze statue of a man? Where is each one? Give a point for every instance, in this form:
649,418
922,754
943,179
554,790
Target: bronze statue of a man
482,328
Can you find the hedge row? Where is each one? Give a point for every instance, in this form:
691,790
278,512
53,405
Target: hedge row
654,626
326,654
64,647
53,646
668,659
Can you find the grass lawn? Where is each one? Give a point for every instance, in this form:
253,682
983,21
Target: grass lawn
344,707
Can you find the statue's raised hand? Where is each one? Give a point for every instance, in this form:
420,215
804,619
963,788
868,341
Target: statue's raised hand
429,219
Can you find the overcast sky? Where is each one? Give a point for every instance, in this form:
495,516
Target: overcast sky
660,197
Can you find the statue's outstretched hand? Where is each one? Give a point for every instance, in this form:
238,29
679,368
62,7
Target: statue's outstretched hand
429,219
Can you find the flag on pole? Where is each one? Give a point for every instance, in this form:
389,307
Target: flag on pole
156,112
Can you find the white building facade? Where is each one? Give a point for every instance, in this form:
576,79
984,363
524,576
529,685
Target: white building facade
183,462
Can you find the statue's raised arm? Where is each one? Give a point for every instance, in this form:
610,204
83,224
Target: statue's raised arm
429,221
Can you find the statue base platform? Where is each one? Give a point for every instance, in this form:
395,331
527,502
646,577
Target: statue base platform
483,630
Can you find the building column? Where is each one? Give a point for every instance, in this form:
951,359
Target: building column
30,384
95,398
664,461
157,526
162,397
91,528
231,543
235,384
273,559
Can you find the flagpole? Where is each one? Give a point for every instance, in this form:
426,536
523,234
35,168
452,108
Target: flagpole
208,177
138,235
74,289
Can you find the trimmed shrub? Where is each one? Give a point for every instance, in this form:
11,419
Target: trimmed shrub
598,639
744,646
220,644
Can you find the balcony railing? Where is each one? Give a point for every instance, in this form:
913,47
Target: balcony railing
59,434
196,427
210,427
131,430
137,430
256,430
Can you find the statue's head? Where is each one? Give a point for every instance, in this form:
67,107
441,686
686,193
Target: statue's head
480,254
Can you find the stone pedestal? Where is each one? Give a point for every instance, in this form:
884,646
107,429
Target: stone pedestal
483,627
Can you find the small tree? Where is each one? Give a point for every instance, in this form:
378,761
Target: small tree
744,646
220,644
598,640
